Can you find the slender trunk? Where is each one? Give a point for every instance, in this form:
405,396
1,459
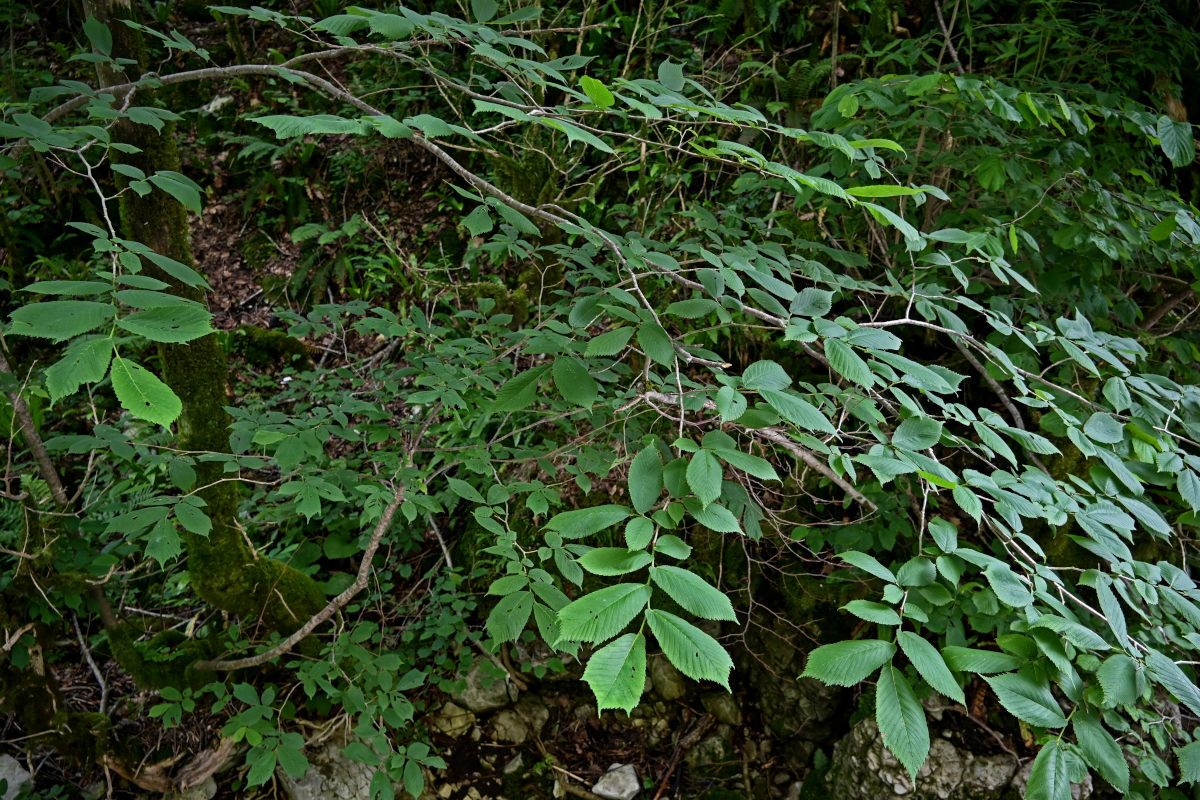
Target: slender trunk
225,570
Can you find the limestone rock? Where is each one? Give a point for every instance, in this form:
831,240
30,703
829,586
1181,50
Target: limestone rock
801,707
862,769
331,776
16,776
453,720
485,689
668,682
619,783
723,707
513,724
206,790
709,750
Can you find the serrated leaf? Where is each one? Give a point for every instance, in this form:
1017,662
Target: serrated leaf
1082,637
750,464
177,270
812,302
1009,589
85,361
871,611
847,363
901,720
586,521
466,491
693,593
930,665
731,404
691,650
172,324
614,560
656,343
162,542
179,187
692,309
868,563
574,382
509,617
714,516
142,394
704,476
797,411
1050,777
479,221
609,344
639,533
1175,138
616,673
1168,674
847,663
1104,428
193,519
645,479
520,390
69,288
1118,678
671,545
1189,762
670,75
1028,700
597,92
917,433
602,614
765,375
484,10
60,319
1100,750
980,662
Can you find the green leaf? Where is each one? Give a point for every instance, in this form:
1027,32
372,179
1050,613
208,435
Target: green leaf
656,343
262,766
574,382
597,92
162,542
391,26
608,344
586,521
693,593
704,475
193,519
99,35
639,532
1189,762
1119,679
520,390
60,319
868,563
812,302
929,665
731,404
1100,750
69,288
670,75
753,465
1027,700
692,309
1175,138
616,673
1082,637
1009,589
849,364
414,779
847,663
171,324
797,411
944,534
509,617
691,650
287,126
85,361
479,221
614,560
466,491
142,394
1050,778
180,272
182,189
484,10
1168,674
917,433
765,375
645,479
981,662
714,516
602,614
901,720
1104,428
873,612
292,760
671,545
1188,486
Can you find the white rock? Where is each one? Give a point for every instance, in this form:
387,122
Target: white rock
619,783
16,776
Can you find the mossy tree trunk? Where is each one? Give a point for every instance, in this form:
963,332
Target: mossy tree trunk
225,570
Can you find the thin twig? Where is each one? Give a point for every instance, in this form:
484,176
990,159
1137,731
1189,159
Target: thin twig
87,655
